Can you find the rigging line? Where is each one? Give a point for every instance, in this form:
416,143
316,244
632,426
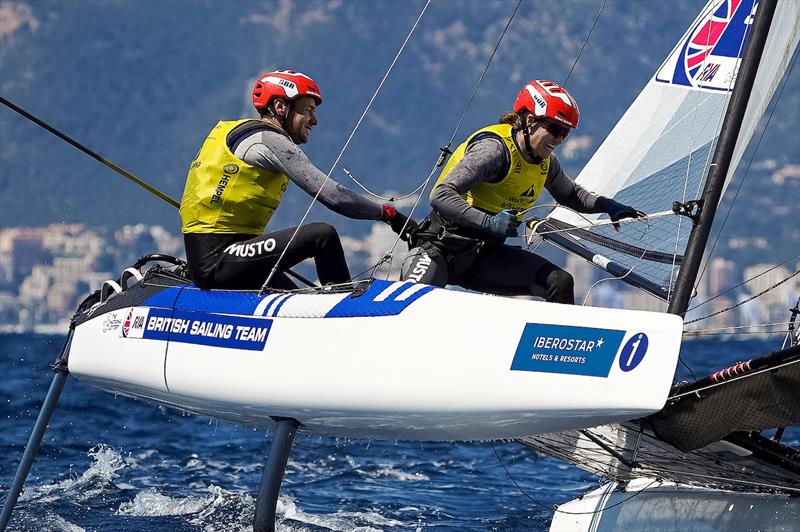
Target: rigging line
691,333
346,144
749,163
744,301
775,324
744,282
555,508
685,365
592,225
480,79
709,162
463,115
725,479
585,41
633,266
693,129
384,198
709,155
446,149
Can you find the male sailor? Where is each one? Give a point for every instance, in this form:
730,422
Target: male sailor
236,181
492,179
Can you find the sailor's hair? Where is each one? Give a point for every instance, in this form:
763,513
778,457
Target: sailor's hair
515,120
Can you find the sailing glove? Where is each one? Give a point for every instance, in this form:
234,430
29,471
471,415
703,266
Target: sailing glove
617,211
504,224
399,222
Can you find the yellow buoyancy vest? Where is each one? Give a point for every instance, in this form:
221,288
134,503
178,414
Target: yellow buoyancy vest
224,194
518,189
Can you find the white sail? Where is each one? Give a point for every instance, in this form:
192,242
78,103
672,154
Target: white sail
660,150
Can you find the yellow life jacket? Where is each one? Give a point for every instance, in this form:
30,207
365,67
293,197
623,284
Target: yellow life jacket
224,194
518,189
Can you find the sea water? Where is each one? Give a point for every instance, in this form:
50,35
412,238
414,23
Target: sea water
113,463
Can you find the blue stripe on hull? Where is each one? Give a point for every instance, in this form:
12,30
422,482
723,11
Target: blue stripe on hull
186,297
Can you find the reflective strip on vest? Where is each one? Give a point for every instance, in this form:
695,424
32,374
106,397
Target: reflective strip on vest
224,194
518,189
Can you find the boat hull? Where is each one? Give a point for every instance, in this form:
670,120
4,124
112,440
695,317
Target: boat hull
658,506
396,361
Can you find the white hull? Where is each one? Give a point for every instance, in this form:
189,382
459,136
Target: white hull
437,365
655,506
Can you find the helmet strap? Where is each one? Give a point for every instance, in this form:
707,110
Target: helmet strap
284,120
528,148
288,118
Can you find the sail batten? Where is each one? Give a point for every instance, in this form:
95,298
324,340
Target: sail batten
661,150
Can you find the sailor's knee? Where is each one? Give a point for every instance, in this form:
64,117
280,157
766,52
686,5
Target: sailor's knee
417,266
320,232
560,287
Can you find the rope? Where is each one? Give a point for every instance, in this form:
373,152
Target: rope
384,198
744,282
592,225
586,40
555,507
747,170
446,149
744,301
774,324
480,79
633,266
346,144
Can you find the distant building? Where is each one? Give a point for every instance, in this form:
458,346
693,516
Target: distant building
721,276
46,271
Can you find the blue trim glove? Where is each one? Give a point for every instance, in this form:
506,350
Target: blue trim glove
503,224
617,211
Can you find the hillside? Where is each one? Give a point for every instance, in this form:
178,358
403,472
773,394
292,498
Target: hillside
142,82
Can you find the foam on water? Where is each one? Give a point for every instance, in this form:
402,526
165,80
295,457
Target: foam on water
389,471
91,483
344,521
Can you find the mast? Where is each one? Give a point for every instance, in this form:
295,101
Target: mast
715,183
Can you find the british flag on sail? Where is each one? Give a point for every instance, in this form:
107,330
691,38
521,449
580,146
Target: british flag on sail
708,56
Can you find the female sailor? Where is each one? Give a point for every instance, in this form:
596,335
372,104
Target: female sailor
491,179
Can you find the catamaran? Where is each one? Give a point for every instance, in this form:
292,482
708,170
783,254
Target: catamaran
572,381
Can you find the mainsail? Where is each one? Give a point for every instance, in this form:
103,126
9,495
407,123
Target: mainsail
661,149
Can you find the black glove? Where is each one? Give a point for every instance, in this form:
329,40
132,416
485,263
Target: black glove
399,222
617,211
503,224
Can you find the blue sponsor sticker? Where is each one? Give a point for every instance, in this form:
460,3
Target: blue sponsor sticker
205,328
633,352
566,349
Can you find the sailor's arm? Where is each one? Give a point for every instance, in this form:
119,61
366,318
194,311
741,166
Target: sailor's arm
568,193
483,160
274,151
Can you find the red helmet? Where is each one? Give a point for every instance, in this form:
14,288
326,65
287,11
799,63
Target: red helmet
286,84
546,99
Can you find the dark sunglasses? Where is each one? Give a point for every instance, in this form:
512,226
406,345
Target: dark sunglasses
557,130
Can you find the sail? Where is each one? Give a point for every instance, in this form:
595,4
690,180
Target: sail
661,149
